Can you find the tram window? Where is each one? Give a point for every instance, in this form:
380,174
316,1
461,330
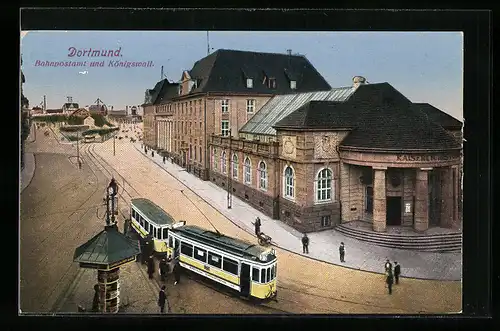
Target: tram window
230,266
200,254
170,241
154,232
263,276
214,260
146,224
165,233
151,228
255,275
187,249
272,272
133,214
268,270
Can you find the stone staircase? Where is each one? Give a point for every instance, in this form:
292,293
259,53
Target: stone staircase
445,242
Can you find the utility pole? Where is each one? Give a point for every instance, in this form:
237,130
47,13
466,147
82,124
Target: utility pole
44,104
208,44
229,178
114,139
78,149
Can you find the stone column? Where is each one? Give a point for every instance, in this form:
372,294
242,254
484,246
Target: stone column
447,196
421,222
379,200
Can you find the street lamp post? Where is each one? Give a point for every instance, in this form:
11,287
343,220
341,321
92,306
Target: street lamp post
78,150
114,139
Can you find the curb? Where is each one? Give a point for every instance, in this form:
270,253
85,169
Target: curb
275,244
32,174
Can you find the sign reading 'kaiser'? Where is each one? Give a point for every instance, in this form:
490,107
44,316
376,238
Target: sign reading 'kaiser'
425,158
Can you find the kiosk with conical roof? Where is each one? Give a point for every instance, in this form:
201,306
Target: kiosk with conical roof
106,252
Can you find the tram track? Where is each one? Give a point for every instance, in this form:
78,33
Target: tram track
80,235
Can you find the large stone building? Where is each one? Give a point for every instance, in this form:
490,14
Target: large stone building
363,152
218,96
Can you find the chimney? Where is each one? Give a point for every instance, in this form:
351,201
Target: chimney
358,80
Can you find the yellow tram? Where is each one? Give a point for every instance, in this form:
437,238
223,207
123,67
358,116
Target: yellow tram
148,219
245,267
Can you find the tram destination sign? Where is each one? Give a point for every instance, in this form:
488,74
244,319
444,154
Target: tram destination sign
425,157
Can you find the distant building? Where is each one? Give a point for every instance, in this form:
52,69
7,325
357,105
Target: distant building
70,107
98,109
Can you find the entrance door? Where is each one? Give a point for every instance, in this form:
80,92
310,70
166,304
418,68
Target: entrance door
393,212
245,279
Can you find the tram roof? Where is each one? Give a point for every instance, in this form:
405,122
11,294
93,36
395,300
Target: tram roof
223,242
152,211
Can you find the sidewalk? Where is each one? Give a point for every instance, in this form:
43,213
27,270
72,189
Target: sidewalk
29,162
323,245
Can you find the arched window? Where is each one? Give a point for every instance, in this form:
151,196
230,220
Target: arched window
214,158
262,175
289,183
248,170
324,185
235,166
223,163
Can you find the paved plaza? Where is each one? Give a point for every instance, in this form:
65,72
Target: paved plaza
323,245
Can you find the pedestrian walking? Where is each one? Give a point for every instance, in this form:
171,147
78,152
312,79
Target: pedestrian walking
162,299
163,266
305,244
342,252
95,302
177,273
151,267
164,158
257,225
388,267
397,272
152,153
389,281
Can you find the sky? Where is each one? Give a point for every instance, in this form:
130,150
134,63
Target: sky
423,66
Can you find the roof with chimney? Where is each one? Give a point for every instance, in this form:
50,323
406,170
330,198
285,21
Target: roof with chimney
228,70
378,116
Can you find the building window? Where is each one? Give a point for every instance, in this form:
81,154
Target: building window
369,199
199,105
235,166
289,183
214,158
326,221
223,163
190,108
324,185
262,176
271,83
249,82
293,84
225,128
250,105
200,154
247,170
225,105
194,150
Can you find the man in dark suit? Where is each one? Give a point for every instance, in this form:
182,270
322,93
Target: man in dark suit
305,244
342,252
162,299
397,272
389,280
388,267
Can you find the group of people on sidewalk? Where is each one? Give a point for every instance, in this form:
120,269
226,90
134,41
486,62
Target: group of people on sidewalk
392,275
